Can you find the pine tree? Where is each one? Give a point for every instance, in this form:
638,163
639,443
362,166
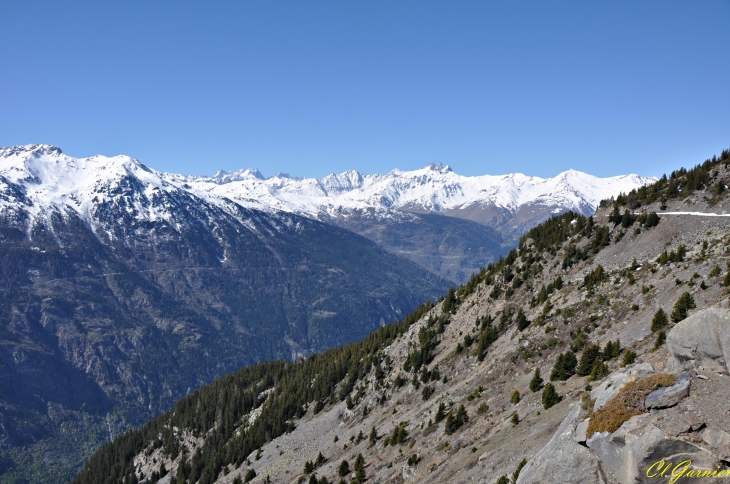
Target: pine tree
682,306
589,356
612,350
359,470
599,370
564,366
449,305
373,436
522,321
661,338
629,358
515,397
516,474
549,396
440,413
659,320
344,468
536,382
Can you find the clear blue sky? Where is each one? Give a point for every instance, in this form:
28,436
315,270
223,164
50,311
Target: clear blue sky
314,87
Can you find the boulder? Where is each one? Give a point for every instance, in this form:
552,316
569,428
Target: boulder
719,440
581,431
637,444
668,396
613,384
604,392
701,341
563,459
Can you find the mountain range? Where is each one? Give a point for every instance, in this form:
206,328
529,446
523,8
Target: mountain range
594,352
481,217
123,289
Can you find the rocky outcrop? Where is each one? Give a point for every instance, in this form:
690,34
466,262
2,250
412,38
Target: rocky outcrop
604,392
668,396
702,341
637,444
563,459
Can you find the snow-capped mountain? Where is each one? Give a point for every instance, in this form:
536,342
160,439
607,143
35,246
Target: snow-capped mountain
120,292
42,176
432,189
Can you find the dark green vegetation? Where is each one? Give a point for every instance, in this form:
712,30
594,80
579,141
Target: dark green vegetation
325,378
448,246
322,380
103,330
229,399
677,186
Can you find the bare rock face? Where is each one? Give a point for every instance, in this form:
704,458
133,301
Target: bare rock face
668,396
563,459
637,444
719,440
702,341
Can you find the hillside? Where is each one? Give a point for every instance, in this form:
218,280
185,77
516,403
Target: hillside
445,395
121,293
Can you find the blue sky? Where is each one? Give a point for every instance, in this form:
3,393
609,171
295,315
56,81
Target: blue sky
315,87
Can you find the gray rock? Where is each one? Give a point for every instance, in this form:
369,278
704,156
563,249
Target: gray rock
637,444
677,427
581,431
668,396
608,389
604,392
717,439
563,459
701,341
641,369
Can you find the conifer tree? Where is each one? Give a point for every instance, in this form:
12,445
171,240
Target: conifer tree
515,397
522,321
549,396
659,320
440,413
682,306
373,436
599,370
589,356
536,382
564,366
344,468
359,470
629,358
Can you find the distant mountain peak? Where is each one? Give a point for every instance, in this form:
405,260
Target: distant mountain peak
223,176
57,178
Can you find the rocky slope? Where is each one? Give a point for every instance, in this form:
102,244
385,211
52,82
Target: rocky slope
120,293
448,394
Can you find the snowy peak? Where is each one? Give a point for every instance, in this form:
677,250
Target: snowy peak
49,178
222,176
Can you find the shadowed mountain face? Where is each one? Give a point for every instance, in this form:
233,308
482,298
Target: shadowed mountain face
448,246
117,302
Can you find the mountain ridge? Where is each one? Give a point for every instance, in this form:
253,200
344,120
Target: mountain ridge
481,218
453,392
